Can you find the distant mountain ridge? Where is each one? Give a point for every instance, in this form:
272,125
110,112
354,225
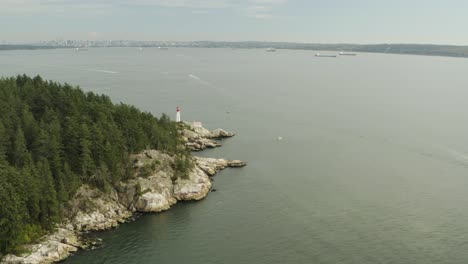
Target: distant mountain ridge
414,49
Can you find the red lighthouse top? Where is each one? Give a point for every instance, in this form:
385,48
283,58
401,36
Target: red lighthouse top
178,110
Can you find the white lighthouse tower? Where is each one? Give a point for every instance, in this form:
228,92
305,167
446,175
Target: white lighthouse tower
177,118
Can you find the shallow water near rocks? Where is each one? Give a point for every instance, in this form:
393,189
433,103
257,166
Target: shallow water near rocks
372,166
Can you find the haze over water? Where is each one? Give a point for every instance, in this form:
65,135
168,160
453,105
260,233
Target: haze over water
372,168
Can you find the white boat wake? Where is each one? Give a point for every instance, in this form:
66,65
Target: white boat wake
81,69
457,155
194,77
200,80
103,71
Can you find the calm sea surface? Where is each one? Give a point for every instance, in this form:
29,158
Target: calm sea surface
372,168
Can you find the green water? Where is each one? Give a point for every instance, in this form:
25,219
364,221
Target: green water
372,168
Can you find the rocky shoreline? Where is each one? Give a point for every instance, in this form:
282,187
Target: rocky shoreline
200,138
155,190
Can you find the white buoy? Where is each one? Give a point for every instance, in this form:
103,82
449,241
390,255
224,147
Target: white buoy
177,119
280,138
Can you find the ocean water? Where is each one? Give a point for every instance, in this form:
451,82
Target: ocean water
372,168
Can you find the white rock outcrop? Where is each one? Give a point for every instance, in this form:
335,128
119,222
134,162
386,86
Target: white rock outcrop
92,209
52,248
220,133
195,187
211,166
200,138
156,193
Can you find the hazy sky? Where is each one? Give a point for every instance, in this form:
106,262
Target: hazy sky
317,21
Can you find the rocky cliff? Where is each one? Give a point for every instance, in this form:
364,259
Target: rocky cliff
200,138
154,188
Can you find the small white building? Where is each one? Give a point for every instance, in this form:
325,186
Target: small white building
197,124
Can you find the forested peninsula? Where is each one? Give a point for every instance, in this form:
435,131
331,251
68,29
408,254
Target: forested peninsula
73,161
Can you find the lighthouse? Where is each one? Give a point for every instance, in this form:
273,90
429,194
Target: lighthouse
177,117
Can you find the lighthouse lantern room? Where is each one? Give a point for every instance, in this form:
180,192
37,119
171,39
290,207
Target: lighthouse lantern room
177,114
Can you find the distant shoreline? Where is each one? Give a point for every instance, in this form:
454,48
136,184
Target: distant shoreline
404,49
24,47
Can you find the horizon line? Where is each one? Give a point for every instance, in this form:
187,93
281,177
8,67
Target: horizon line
6,42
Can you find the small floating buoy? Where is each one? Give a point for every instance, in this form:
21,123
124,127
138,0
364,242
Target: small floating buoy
280,138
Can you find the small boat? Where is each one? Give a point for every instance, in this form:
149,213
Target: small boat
163,48
347,54
324,55
271,49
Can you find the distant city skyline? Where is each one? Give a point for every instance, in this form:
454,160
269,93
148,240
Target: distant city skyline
303,21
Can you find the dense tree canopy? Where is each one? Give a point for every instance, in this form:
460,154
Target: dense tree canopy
55,137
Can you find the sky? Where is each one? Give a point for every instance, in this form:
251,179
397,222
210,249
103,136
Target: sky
308,21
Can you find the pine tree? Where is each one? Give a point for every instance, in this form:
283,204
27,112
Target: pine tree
20,152
33,195
30,126
49,204
86,162
62,194
71,182
3,141
10,212
41,145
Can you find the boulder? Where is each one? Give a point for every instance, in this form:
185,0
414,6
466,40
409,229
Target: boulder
220,133
155,193
200,138
195,187
211,166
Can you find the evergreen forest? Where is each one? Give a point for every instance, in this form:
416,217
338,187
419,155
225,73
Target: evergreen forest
54,138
